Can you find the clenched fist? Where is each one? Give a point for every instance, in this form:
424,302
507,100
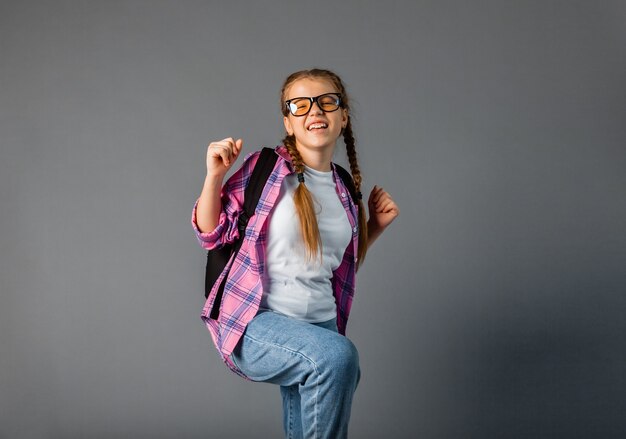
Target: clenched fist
221,155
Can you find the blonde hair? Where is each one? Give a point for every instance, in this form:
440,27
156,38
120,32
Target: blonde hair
302,196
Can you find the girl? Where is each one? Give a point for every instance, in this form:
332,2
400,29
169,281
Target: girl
285,306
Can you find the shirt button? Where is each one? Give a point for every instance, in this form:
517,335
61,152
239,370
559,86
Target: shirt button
343,195
354,229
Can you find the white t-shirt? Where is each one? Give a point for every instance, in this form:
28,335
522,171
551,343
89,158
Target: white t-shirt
292,285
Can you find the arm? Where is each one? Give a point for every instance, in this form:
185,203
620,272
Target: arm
383,210
209,204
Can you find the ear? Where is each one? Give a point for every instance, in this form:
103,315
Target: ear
287,124
344,117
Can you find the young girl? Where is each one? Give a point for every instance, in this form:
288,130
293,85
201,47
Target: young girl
283,314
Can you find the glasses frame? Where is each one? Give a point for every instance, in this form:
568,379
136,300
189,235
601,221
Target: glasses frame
314,100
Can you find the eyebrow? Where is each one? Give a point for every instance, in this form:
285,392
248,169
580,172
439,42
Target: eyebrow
309,97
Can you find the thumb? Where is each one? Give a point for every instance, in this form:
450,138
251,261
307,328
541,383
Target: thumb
238,146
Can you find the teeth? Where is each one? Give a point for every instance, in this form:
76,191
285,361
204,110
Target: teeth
317,125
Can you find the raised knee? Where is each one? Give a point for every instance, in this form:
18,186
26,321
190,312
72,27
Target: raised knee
344,358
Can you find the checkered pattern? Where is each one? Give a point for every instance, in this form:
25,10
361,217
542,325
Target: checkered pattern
244,288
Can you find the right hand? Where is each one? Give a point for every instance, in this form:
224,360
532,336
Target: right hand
222,155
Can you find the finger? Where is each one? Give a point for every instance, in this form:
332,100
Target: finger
231,148
213,149
392,209
386,206
379,208
223,153
226,154
220,144
373,194
223,143
238,147
228,143
384,196
381,193
370,199
383,199
220,151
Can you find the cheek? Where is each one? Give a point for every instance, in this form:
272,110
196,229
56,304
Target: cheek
297,129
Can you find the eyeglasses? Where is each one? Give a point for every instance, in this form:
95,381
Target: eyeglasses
301,106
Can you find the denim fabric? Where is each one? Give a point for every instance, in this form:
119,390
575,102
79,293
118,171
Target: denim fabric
317,369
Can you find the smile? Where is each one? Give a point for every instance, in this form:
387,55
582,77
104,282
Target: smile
317,126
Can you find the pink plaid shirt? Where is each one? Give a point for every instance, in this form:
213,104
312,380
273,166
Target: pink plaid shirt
244,288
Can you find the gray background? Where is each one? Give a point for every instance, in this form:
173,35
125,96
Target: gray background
493,307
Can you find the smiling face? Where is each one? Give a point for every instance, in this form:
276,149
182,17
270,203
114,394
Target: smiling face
318,130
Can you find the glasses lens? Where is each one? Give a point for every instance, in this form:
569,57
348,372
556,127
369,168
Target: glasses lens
329,102
299,107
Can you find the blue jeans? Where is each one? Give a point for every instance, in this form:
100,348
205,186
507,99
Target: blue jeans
317,370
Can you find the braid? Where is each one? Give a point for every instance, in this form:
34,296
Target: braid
296,158
303,202
302,196
348,138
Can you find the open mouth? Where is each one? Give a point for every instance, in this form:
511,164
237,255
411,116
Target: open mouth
317,126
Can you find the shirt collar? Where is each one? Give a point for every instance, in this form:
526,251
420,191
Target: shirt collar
282,151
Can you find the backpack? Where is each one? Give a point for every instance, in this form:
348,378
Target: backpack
218,258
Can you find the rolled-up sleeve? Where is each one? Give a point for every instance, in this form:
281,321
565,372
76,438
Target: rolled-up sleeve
231,196
225,231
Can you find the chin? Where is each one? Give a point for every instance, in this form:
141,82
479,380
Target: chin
322,139
321,143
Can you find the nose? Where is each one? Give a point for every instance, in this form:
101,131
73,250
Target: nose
315,108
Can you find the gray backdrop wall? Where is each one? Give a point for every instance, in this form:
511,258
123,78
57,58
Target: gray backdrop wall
493,307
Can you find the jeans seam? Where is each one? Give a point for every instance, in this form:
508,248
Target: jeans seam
290,415
285,349
317,390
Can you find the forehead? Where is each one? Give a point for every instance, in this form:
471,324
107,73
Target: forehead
309,87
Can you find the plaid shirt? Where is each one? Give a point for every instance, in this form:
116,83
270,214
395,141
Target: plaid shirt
244,287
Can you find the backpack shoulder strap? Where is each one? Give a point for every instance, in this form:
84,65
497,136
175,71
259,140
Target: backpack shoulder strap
348,182
262,170
218,258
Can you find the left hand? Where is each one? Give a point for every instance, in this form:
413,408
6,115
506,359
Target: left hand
383,210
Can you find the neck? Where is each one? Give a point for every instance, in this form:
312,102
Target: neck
318,159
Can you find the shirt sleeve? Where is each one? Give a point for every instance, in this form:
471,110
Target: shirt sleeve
231,196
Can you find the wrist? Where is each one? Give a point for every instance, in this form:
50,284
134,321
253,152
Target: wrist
213,179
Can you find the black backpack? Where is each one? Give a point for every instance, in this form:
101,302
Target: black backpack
218,258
